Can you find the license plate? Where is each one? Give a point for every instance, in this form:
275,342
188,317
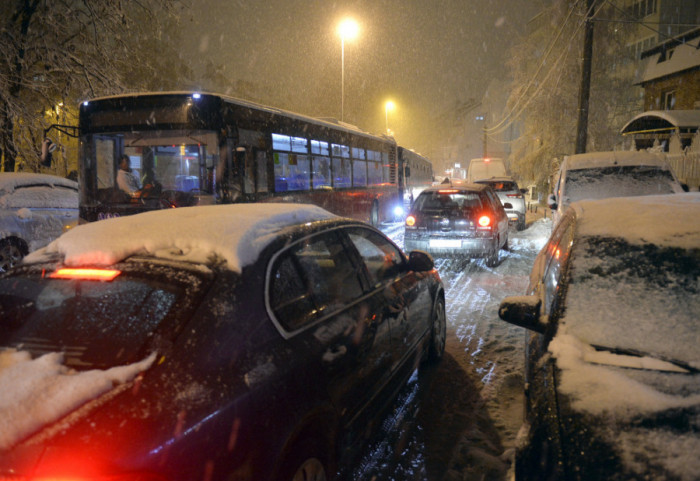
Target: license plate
442,243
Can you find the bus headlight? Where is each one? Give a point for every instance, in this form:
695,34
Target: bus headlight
398,211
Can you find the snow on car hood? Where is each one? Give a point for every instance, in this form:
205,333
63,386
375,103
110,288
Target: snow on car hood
235,233
37,392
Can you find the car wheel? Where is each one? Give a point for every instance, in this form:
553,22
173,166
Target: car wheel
492,259
311,469
10,254
305,462
438,334
521,224
505,244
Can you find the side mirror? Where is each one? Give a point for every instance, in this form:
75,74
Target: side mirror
507,205
523,311
552,202
420,261
47,149
524,191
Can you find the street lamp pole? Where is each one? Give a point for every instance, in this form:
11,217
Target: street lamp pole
347,29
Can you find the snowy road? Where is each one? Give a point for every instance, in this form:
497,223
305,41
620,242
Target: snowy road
459,419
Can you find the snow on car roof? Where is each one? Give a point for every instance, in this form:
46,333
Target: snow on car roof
235,233
665,220
11,180
606,159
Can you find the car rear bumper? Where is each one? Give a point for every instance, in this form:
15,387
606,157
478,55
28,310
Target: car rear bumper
452,246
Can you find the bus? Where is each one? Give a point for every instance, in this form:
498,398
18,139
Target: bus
205,148
416,175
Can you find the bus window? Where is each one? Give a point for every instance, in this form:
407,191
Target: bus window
292,172
341,172
105,161
359,173
374,173
321,172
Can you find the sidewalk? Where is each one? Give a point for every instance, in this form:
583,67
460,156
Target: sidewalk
535,212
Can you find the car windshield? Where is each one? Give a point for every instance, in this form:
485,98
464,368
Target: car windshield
635,297
625,181
447,200
97,324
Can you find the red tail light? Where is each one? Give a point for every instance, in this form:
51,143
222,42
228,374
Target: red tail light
484,221
411,220
85,274
517,196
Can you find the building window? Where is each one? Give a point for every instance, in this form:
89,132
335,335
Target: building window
668,100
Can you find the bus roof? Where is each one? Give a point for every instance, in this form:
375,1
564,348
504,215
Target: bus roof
322,121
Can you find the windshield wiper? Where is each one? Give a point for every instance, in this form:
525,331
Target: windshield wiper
636,353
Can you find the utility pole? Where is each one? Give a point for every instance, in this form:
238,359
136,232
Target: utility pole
585,89
485,137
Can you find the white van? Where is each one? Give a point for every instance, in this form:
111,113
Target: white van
599,175
485,168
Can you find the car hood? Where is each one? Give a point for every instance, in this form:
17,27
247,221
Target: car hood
643,417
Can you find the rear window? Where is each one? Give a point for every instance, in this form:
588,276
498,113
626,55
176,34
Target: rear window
96,324
501,186
449,199
621,181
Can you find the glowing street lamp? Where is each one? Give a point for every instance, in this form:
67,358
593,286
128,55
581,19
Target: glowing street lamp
389,105
347,29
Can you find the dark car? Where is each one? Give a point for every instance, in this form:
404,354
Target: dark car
246,342
458,219
508,191
612,361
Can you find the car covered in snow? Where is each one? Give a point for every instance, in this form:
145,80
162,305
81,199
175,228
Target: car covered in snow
599,175
456,219
612,358
246,341
34,210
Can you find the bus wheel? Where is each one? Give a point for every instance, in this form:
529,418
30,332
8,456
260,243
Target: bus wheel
374,214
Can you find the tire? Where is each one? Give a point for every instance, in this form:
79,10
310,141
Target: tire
10,254
438,332
521,224
492,259
506,247
305,462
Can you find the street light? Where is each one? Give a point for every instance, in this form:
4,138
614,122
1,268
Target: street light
348,28
389,105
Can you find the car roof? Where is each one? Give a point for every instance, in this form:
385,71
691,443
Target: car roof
9,181
456,184
496,179
235,234
665,220
612,158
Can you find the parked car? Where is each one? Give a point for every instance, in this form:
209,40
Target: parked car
507,190
599,175
458,219
247,342
613,366
34,210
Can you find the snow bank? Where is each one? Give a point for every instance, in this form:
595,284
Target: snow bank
36,392
235,233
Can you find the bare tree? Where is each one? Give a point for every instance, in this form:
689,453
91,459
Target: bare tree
58,52
546,68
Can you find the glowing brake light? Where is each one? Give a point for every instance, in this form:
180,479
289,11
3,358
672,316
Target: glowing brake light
484,221
447,191
85,274
410,220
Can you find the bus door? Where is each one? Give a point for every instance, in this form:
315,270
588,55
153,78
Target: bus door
251,158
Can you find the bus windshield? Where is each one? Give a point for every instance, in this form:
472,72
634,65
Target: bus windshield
167,166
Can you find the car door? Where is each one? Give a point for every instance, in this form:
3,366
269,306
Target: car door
317,295
398,296
501,219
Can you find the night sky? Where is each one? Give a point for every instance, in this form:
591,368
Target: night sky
424,55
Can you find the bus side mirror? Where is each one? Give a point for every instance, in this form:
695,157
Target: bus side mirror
47,149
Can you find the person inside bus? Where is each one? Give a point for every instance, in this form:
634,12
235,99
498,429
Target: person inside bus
126,180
